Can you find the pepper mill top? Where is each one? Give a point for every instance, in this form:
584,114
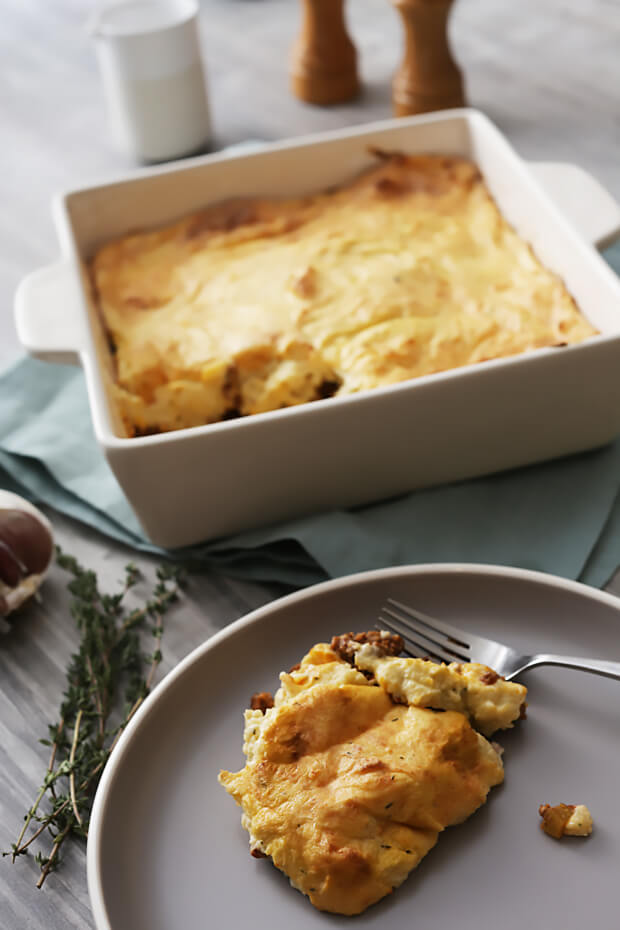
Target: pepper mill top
428,77
324,59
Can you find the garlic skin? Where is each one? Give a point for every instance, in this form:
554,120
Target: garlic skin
26,549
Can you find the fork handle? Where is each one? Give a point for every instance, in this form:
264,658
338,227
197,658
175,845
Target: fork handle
597,666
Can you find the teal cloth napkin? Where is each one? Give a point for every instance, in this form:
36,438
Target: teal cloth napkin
561,517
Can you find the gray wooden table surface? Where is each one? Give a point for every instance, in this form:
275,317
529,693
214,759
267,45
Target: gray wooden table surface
546,71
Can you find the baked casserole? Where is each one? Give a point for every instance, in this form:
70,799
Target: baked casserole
256,304
361,759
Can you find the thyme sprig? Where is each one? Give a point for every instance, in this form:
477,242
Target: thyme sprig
108,678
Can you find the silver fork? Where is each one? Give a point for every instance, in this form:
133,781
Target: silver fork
427,636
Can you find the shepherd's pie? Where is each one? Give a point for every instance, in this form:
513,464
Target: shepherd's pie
256,304
352,771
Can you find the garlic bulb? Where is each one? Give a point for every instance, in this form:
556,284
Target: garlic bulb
26,549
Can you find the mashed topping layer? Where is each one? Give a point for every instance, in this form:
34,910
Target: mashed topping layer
345,789
487,699
253,305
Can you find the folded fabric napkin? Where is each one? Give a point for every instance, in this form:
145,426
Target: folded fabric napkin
561,517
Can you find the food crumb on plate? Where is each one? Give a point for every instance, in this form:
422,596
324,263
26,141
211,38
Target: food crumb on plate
565,820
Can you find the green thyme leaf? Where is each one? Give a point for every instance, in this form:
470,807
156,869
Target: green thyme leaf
107,679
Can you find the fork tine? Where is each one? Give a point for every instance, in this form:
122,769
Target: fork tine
457,636
435,640
412,646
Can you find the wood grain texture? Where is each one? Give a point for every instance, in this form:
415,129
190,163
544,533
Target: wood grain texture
428,77
546,73
324,59
33,661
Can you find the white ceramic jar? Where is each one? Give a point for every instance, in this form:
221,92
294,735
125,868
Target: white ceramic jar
153,77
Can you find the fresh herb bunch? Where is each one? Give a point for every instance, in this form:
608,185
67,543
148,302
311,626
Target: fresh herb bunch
108,678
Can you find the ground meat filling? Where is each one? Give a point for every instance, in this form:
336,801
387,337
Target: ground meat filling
346,645
262,700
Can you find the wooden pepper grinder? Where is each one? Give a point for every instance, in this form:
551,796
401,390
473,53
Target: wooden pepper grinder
324,59
428,78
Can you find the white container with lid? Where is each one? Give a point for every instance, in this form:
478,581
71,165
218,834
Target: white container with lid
153,77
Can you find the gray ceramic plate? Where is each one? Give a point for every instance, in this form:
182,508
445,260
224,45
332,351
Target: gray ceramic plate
166,848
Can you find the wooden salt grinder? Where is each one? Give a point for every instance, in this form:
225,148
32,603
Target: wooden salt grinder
324,59
428,78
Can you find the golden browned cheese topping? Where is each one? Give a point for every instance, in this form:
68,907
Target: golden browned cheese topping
346,790
250,306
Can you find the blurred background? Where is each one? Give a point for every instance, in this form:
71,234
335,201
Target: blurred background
546,71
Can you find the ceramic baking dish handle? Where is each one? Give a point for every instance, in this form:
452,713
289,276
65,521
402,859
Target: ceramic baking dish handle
582,200
49,316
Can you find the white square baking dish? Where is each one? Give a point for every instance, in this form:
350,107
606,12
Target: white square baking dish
209,481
